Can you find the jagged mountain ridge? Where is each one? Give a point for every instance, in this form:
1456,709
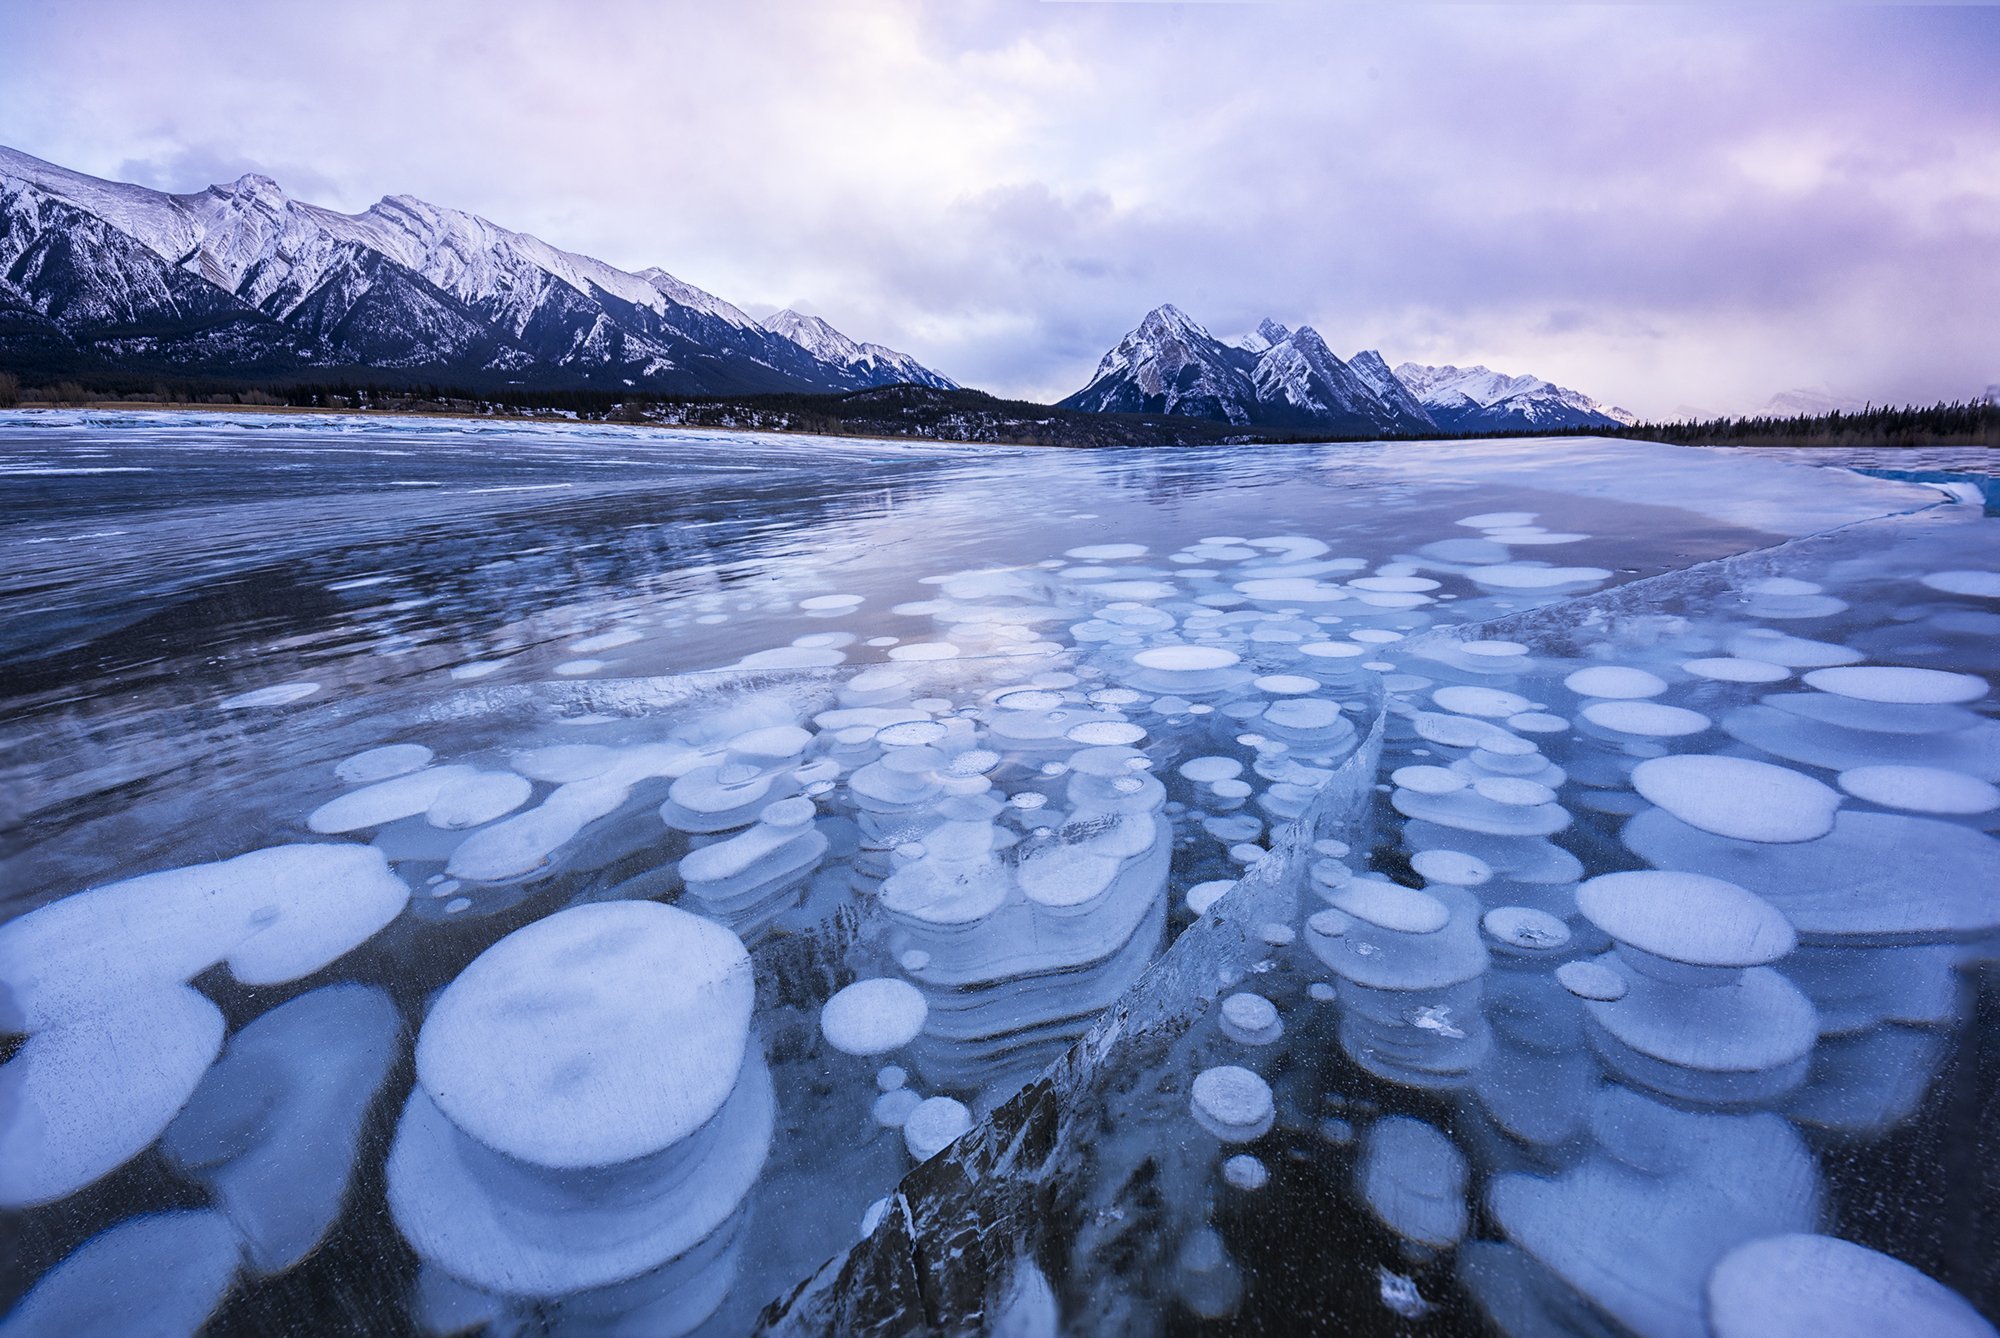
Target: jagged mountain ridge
1478,399
881,366
240,278
1278,377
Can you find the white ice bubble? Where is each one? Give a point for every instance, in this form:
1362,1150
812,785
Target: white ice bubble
1414,1179
921,651
1614,681
1921,789
1729,669
376,764
1791,652
1738,797
873,1017
1208,770
1647,720
933,1125
1185,659
1490,703
1245,1172
273,915
1882,683
1982,584
1426,779
1250,1019
1107,552
623,636
579,668
1810,1286
829,603
84,1097
1285,685
280,694
1592,980
892,1108
1232,1103
479,798
1687,917
1499,520
158,1275
1451,866
1204,895
272,1131
1525,928
572,1011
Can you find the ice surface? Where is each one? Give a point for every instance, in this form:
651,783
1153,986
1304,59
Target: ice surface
1111,819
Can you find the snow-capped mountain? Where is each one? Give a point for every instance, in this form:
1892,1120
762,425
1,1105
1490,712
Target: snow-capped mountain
1477,399
1277,377
241,278
880,366
1809,404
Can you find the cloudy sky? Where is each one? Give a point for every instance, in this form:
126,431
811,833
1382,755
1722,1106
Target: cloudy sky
1671,207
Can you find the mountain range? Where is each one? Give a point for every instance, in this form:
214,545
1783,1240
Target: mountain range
243,280
1285,378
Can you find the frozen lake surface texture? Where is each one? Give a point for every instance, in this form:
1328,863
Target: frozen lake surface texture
472,878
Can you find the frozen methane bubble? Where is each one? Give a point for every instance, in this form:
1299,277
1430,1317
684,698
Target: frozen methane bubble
1646,720
1185,659
1204,895
1251,1019
873,1017
1233,1103
1876,877
1592,980
934,1125
1451,866
1808,1286
1982,584
1760,643
1525,929
1245,1172
1882,683
1488,702
155,1276
1615,681
1414,1179
1208,770
1687,918
273,1129
84,1097
392,759
892,1108
599,1034
1921,789
1738,797
273,915
280,694
1729,669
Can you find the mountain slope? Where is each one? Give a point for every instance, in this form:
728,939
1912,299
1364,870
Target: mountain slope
1478,399
1278,377
1171,365
242,278
876,365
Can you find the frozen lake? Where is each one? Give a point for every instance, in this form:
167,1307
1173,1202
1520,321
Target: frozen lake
554,879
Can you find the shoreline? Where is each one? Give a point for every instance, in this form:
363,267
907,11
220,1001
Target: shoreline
558,420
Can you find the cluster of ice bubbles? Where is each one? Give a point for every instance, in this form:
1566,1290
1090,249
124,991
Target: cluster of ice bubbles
1008,809
1640,1059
